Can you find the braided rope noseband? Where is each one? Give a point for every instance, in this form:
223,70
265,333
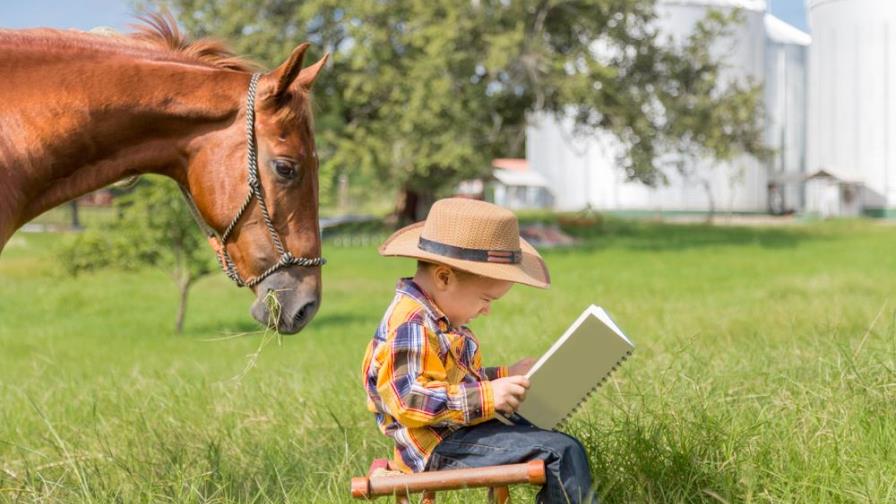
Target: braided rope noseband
218,242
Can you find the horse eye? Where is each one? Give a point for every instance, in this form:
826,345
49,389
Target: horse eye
284,168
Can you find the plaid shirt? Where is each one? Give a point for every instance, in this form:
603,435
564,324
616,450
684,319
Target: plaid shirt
424,379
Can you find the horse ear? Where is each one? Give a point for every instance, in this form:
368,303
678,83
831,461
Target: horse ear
286,73
309,75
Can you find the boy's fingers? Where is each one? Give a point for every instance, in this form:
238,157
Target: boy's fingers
520,380
517,390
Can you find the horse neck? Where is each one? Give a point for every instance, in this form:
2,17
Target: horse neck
68,128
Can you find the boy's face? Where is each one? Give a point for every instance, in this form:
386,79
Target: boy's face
464,296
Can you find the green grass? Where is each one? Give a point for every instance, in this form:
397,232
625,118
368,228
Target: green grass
765,371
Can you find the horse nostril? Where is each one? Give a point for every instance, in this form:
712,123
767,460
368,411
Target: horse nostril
302,314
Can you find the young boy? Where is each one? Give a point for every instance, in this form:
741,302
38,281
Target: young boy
423,370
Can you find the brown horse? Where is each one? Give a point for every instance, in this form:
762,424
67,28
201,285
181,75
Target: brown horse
79,111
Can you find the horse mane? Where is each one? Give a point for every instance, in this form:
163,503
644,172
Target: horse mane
157,37
160,30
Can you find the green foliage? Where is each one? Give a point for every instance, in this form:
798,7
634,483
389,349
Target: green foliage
154,228
95,249
422,94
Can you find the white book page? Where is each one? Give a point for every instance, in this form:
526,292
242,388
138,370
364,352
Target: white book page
598,312
557,344
605,318
573,366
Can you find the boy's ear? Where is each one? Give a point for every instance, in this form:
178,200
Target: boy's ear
442,275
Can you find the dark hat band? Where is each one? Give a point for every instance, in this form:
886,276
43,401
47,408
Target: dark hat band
469,254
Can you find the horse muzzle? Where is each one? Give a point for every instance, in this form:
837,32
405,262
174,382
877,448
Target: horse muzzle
288,299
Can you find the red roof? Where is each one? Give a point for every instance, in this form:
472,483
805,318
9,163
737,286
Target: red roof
514,164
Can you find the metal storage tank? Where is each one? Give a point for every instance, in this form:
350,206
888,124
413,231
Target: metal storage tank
583,171
786,62
851,115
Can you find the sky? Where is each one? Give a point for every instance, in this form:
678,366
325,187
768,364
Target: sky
80,14
792,11
86,14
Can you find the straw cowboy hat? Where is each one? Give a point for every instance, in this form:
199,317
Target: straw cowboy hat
472,236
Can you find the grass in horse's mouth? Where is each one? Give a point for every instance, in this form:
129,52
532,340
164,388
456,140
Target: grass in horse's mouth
274,309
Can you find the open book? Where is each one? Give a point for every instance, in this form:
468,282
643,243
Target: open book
578,362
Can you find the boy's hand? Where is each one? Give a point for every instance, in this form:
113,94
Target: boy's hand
509,392
522,366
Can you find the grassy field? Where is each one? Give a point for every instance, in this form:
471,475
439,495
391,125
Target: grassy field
765,372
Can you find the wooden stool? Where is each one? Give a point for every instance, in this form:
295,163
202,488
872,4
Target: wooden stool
382,479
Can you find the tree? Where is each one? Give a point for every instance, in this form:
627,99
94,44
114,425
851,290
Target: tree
154,229
423,94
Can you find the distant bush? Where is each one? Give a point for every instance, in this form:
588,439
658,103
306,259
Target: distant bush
154,228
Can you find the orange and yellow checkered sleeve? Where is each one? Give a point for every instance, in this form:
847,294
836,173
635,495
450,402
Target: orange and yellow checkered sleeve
493,373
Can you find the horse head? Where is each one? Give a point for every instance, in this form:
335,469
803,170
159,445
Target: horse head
254,187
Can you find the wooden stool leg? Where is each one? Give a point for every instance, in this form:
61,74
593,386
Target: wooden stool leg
429,498
499,495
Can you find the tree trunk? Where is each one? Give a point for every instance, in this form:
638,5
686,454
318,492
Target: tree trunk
343,197
412,206
183,287
712,202
406,207
76,221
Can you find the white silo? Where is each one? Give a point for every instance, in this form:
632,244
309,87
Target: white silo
785,95
851,115
583,171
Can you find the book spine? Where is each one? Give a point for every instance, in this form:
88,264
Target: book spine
594,389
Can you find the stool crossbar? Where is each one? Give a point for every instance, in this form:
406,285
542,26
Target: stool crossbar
382,479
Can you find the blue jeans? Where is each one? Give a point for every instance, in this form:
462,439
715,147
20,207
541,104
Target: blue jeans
493,443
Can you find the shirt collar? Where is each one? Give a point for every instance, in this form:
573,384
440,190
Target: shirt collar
409,287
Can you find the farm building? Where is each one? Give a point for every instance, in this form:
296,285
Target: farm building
582,171
851,109
511,184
